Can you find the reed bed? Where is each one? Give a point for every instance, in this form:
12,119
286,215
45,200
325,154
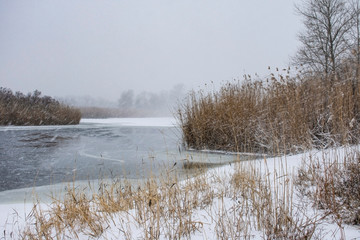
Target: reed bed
282,114
34,109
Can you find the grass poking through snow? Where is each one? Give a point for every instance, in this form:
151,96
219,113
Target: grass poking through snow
246,200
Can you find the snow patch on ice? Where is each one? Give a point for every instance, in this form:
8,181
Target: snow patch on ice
135,122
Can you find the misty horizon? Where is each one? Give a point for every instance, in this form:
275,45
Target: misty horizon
97,48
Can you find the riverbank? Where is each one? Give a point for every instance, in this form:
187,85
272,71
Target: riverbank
247,200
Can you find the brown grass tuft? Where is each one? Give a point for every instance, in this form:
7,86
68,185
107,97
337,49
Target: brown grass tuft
333,184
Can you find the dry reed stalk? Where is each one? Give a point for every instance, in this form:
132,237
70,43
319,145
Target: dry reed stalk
333,184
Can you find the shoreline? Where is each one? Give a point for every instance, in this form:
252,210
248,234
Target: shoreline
269,166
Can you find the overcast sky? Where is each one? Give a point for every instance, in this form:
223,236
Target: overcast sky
103,47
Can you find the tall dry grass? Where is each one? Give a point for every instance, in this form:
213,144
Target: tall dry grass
231,205
34,109
280,115
332,182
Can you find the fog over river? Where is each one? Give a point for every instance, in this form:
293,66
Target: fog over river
33,156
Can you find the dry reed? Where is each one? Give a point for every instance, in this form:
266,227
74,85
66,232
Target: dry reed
32,109
333,185
281,115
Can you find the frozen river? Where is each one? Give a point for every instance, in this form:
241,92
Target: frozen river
43,155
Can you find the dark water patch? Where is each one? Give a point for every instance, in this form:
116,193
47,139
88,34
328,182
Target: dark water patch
38,156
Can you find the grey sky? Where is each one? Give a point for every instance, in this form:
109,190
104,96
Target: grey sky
103,47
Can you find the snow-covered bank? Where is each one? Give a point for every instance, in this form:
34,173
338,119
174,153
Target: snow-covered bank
135,122
206,220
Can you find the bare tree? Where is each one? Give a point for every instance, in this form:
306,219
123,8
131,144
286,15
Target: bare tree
327,36
355,57
126,100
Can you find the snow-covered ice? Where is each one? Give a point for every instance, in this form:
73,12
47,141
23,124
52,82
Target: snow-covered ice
137,122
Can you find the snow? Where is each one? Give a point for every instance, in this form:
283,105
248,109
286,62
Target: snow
17,212
85,122
134,122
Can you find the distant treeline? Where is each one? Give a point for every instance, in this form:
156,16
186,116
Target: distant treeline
105,112
130,104
34,109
